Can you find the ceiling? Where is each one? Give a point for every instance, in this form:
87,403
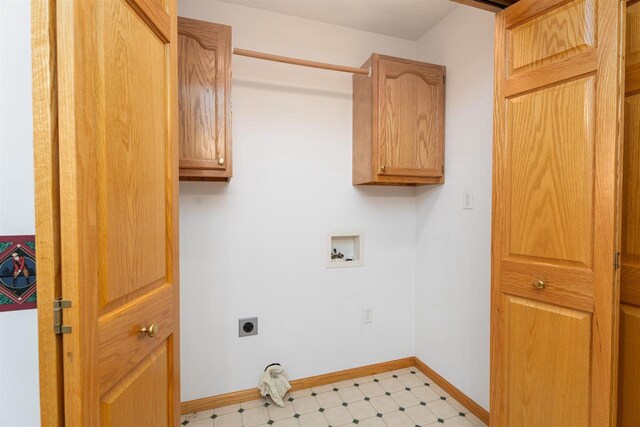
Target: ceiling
406,19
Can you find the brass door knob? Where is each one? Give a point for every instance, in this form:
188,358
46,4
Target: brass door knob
539,284
151,330
221,161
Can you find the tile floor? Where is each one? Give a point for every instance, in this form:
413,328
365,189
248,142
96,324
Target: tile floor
399,398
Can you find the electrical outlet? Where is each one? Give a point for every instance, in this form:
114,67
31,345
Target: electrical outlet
467,202
367,315
248,327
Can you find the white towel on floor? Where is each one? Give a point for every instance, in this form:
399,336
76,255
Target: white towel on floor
274,383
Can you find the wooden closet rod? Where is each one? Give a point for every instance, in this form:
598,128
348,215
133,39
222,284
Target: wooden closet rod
302,62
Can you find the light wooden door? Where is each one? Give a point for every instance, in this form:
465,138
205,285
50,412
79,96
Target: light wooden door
411,118
204,88
106,73
629,380
556,228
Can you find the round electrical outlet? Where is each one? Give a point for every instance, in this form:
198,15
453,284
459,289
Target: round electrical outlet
247,327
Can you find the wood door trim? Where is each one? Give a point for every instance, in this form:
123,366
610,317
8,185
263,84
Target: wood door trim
172,209
608,208
81,394
47,196
299,384
248,395
465,400
497,399
152,13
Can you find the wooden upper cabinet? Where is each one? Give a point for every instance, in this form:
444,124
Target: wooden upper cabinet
398,123
204,85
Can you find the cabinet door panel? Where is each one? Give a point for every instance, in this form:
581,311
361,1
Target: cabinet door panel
411,119
556,211
199,134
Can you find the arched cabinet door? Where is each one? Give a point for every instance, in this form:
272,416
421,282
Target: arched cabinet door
399,123
410,141
204,98
556,213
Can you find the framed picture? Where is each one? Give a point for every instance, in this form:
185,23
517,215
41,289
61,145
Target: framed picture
18,273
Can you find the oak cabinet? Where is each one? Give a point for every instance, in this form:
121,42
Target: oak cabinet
398,123
204,98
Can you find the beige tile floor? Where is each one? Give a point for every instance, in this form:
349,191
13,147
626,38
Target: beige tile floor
399,398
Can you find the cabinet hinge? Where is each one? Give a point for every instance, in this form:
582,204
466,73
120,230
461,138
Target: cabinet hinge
616,260
444,80
58,327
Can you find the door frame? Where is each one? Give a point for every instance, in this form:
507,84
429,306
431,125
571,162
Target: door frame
47,207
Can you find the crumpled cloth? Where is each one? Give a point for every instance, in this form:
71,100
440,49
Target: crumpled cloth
274,383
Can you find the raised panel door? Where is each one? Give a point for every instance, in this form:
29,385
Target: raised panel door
117,178
555,213
629,378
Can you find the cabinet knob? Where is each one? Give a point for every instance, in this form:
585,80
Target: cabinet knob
151,330
384,168
221,161
539,284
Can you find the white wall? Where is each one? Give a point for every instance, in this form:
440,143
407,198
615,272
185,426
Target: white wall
453,245
256,246
18,329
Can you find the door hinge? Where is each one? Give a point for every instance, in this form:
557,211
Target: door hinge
616,260
58,327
